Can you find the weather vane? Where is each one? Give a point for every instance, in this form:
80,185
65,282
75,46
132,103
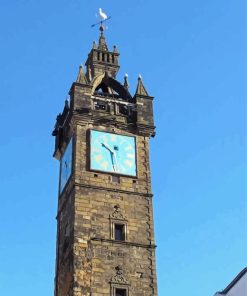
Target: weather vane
103,18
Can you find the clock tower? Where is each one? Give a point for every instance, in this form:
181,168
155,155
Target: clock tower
105,231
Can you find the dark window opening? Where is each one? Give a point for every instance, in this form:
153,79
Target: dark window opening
120,232
121,292
108,58
100,106
123,110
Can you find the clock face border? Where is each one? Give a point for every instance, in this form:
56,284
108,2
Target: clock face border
112,172
68,154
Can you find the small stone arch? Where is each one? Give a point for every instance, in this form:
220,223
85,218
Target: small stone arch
110,86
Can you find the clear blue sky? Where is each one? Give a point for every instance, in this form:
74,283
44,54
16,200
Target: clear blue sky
192,57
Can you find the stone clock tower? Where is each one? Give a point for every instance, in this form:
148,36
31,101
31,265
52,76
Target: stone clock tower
105,232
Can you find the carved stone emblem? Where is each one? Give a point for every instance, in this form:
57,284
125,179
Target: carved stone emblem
117,214
119,277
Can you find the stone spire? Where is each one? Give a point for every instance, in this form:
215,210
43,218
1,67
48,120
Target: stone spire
140,90
81,78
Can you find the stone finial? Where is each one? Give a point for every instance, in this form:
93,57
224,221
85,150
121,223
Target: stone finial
94,45
66,103
115,50
81,78
102,43
140,90
126,82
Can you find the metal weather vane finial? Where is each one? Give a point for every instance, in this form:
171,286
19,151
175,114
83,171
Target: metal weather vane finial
103,18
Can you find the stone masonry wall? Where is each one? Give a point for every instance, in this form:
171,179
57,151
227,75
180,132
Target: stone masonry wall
93,230
96,254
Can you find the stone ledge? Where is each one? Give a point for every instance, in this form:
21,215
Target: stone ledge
125,243
113,190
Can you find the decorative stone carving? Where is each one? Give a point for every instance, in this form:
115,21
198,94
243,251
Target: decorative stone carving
119,277
117,214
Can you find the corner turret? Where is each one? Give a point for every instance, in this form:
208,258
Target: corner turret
144,108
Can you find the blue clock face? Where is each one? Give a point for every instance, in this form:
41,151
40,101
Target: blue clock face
65,166
113,153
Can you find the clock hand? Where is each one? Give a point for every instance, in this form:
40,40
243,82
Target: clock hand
104,145
112,153
115,155
112,160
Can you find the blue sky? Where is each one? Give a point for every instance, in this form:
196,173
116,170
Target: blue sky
192,57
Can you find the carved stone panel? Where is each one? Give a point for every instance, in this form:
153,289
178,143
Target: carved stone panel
117,214
119,277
